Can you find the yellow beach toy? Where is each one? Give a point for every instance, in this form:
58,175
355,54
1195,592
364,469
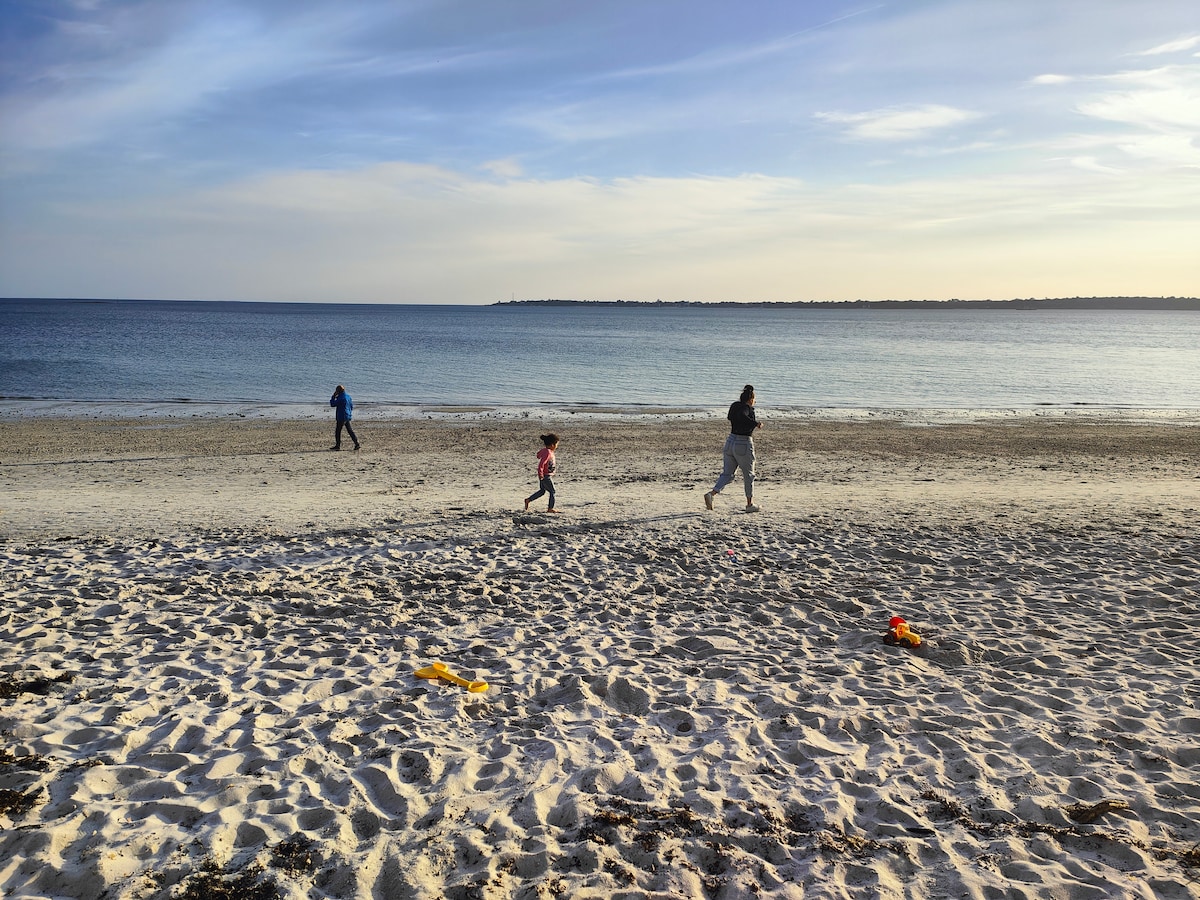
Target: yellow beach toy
899,633
439,670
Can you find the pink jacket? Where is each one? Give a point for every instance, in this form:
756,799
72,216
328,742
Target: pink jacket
545,462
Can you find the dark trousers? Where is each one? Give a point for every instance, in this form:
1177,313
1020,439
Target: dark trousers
337,434
545,486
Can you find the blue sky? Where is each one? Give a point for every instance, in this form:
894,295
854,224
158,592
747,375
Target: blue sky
465,152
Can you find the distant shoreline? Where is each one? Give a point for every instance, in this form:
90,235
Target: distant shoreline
1176,304
1105,303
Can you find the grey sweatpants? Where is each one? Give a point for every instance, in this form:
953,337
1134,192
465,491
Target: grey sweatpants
739,453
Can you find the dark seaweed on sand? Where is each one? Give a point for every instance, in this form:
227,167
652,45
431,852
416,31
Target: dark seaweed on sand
11,687
294,855
211,883
948,808
14,803
31,762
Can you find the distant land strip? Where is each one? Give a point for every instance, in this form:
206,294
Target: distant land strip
1168,303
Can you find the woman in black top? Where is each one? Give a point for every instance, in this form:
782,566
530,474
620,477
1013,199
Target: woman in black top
739,448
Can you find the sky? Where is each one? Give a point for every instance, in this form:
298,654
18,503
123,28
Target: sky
474,151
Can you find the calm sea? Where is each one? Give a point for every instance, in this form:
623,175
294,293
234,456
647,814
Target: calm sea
235,356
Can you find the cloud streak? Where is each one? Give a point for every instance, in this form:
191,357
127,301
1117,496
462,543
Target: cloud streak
177,73
1166,99
1179,46
1157,110
900,124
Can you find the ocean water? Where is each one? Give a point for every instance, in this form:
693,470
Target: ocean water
236,356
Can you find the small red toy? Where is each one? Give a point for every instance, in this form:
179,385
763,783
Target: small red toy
899,633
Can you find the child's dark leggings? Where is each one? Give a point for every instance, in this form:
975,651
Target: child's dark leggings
545,486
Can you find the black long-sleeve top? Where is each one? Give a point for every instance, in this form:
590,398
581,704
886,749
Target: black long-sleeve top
741,418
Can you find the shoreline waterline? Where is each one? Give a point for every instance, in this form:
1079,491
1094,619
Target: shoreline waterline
187,409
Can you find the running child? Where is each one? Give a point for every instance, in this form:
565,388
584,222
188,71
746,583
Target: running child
545,470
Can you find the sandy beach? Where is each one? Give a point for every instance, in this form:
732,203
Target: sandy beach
210,631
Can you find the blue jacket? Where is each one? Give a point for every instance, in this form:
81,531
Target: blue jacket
345,406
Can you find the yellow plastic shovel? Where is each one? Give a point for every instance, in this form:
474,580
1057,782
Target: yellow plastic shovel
439,670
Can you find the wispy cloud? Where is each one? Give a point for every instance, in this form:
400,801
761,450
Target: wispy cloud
503,168
1151,115
116,75
899,123
1179,46
726,57
1051,79
1156,99
1091,164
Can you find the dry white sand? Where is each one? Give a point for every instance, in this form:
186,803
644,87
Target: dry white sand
209,631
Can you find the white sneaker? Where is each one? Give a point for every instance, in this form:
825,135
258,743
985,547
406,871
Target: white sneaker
708,499
750,507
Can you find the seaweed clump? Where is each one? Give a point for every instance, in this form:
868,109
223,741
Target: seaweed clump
12,687
294,855
212,883
14,803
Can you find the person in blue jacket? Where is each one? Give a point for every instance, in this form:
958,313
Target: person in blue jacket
345,412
